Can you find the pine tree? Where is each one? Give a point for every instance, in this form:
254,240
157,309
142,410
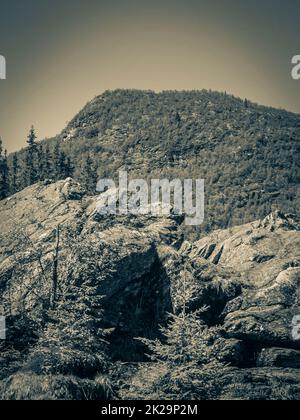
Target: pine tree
61,164
69,168
56,162
40,163
89,176
31,138
64,166
185,331
47,163
74,342
183,368
177,118
14,184
31,175
4,173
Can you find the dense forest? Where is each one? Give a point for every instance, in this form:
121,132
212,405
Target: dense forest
247,154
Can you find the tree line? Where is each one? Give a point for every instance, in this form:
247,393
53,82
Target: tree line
39,162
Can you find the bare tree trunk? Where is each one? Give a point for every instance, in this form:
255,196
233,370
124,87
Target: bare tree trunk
53,298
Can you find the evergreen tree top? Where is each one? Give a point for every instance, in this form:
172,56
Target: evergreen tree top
31,138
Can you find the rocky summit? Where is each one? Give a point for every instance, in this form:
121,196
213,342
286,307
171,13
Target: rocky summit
54,244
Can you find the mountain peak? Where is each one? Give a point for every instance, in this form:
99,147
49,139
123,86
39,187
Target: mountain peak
247,154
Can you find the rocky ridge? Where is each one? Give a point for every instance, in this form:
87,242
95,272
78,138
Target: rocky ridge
248,276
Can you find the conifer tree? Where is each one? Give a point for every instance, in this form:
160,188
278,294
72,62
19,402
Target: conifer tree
74,342
31,138
64,167
40,163
185,331
4,173
61,164
69,168
48,173
184,368
177,118
89,176
14,184
31,175
56,162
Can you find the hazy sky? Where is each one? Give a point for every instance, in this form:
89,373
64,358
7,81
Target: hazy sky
61,53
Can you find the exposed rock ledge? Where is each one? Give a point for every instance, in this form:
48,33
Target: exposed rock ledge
248,275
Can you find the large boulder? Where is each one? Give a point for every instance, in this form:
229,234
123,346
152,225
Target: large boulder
265,315
262,384
28,386
279,357
57,221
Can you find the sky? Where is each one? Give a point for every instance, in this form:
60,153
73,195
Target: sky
62,53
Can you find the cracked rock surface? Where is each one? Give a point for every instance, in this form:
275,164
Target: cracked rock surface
248,276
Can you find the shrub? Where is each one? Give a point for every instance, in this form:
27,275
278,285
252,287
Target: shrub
187,381
28,386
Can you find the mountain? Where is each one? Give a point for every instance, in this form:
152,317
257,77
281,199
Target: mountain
58,255
142,307
247,154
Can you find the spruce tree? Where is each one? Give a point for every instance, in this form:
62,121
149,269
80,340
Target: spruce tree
56,162
48,173
40,163
14,183
89,175
31,138
184,368
74,342
64,170
31,175
69,168
61,164
4,173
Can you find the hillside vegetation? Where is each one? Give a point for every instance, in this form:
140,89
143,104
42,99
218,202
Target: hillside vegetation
247,154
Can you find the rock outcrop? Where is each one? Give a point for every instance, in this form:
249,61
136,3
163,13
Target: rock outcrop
266,256
247,276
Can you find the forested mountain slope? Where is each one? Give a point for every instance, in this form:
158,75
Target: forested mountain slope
247,154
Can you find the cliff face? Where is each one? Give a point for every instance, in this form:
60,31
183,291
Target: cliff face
53,241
